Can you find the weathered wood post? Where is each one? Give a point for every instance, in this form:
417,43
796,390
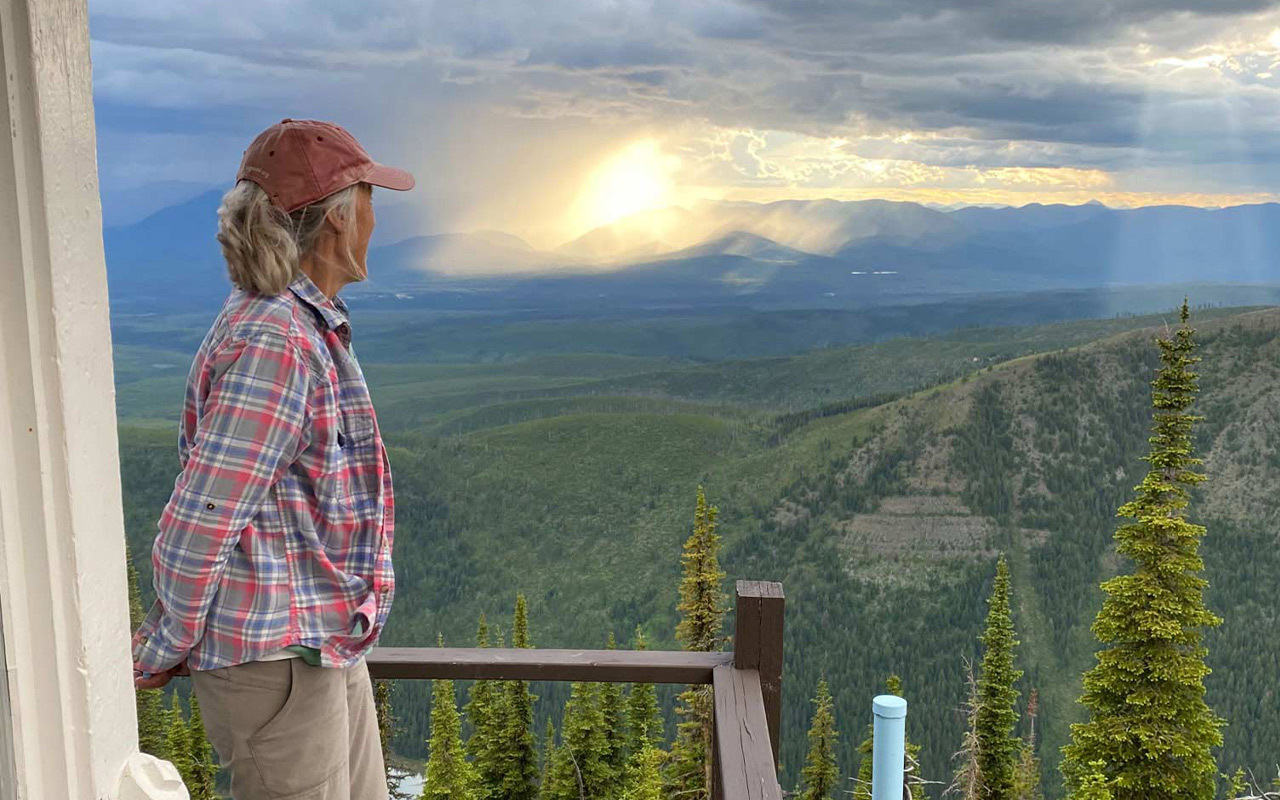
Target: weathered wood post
757,645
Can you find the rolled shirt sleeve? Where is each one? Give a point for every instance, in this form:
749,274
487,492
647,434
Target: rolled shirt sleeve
251,429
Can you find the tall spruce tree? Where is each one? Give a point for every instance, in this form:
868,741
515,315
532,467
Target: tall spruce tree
580,767
998,747
177,743
204,767
516,751
484,711
821,775
149,703
702,609
448,775
644,718
1148,724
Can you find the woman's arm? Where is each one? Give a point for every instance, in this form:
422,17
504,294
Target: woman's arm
250,430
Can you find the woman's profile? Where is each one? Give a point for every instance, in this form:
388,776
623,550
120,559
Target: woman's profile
272,563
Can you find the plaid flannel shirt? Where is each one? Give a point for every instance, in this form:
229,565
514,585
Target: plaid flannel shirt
280,526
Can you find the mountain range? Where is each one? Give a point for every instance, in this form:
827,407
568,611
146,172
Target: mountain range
786,253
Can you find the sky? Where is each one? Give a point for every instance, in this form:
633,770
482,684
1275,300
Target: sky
547,119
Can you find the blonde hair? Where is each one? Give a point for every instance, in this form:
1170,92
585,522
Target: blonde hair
264,246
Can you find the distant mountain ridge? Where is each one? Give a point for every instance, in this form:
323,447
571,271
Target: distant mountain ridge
783,253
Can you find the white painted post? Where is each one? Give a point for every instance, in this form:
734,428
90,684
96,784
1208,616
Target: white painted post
62,575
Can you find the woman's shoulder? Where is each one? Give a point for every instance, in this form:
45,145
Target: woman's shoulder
248,314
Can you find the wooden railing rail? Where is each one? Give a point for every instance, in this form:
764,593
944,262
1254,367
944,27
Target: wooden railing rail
490,663
747,683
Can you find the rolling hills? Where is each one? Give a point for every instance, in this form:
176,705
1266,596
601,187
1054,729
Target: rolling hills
571,478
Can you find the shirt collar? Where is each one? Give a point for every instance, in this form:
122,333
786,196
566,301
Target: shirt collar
333,312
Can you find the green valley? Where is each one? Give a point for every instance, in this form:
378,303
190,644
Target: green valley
877,481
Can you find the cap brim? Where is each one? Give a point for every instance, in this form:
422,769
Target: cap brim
389,178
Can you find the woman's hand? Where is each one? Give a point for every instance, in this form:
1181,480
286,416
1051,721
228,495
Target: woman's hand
159,680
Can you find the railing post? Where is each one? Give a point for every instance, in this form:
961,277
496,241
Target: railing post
889,753
757,645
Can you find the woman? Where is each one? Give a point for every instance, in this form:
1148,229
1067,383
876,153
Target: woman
273,561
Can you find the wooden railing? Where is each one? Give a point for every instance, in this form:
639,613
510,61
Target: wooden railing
747,683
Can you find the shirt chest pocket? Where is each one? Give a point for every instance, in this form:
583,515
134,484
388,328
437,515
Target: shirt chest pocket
355,430
358,459
341,462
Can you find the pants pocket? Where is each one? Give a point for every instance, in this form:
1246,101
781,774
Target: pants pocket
306,744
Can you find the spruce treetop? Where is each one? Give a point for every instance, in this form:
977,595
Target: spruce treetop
520,624
702,602
1150,734
998,748
821,775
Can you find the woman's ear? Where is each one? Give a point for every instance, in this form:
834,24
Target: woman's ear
335,222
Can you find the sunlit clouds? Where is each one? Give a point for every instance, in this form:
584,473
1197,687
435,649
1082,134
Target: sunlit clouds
549,119
637,178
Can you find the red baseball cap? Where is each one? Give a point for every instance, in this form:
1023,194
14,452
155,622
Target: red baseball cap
302,161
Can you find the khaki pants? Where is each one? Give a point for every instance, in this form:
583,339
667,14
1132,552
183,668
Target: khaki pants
289,731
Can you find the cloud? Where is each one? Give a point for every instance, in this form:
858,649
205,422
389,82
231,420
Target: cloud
504,103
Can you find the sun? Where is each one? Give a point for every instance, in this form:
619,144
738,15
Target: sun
636,178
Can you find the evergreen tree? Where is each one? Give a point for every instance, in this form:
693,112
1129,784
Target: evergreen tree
484,711
204,767
516,753
645,775
149,703
702,599
1148,722
998,748
613,707
644,718
1026,776
548,758
580,767
177,749
387,730
862,783
914,781
1236,784
448,776
1093,785
702,610
821,774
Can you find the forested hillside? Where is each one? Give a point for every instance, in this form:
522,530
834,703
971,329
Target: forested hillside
882,519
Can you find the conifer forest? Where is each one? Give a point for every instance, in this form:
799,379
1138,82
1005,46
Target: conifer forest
1060,550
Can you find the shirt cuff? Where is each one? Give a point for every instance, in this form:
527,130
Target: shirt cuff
150,653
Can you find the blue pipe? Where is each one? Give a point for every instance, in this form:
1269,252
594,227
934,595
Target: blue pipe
889,756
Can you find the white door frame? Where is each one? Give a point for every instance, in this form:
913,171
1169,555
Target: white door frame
63,592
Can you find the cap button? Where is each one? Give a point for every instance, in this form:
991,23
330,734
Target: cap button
286,121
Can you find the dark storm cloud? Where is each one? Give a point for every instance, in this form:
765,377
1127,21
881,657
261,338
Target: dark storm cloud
993,83
590,55
1011,20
